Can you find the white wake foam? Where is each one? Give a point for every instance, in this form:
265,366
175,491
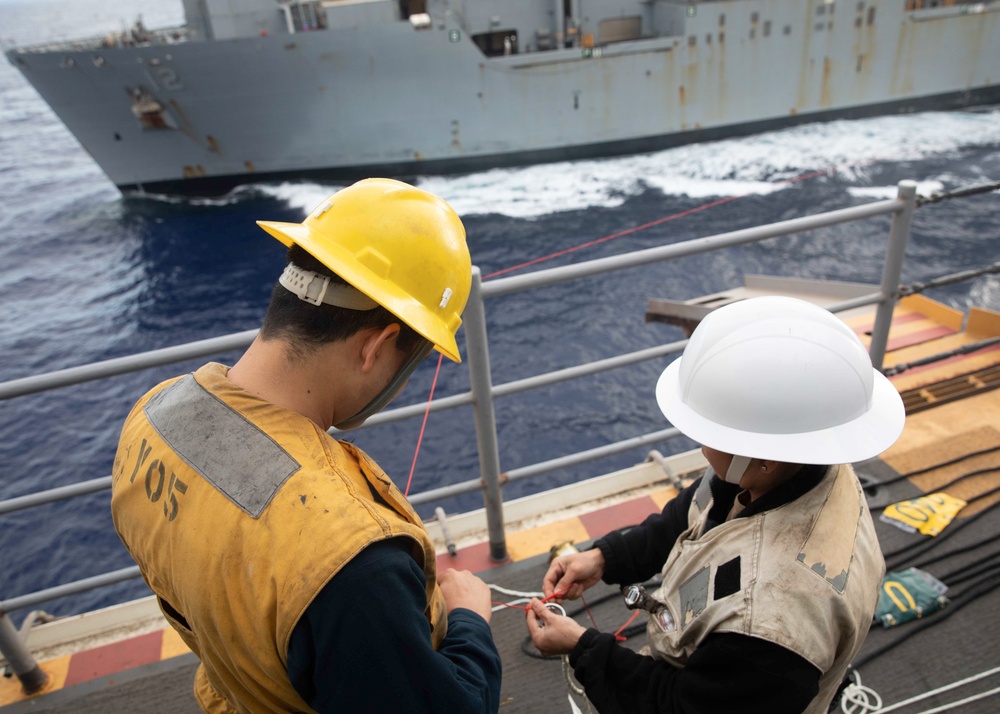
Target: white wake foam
757,164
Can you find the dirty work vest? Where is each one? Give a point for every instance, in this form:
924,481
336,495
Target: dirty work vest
238,513
804,575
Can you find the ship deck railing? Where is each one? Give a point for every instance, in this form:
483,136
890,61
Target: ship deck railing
482,393
113,40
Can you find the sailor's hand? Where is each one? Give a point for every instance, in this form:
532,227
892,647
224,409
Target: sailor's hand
463,589
552,633
571,574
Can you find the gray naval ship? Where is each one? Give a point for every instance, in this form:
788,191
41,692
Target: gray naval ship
338,89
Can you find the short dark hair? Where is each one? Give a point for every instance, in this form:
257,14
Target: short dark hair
305,326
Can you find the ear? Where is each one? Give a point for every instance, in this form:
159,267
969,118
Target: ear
374,342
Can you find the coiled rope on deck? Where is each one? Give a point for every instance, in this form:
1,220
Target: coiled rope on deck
859,699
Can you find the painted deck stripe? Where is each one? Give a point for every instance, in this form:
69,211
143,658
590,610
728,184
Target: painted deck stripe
915,338
108,659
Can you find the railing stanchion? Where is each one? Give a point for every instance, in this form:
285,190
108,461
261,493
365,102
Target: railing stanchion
481,383
899,236
32,677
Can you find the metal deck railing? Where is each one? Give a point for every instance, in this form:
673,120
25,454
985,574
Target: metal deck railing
482,391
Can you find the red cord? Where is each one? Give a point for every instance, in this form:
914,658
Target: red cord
423,425
525,607
618,635
589,613
619,234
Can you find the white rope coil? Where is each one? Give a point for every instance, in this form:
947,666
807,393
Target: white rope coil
859,699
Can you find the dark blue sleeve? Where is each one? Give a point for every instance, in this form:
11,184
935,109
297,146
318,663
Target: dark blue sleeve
637,554
726,673
364,644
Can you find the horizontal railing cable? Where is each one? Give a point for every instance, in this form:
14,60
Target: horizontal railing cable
124,365
79,586
951,279
964,192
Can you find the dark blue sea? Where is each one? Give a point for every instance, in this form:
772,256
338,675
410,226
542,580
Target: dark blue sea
87,275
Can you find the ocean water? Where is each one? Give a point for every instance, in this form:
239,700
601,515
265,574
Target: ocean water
87,275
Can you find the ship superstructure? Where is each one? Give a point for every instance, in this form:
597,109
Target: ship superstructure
348,88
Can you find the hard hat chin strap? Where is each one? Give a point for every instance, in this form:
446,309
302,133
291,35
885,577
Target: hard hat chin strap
737,467
417,355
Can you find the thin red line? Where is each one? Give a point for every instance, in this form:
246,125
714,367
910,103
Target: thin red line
618,635
627,231
423,425
619,234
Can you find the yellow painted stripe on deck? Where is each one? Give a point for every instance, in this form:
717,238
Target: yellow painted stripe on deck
660,498
535,541
172,645
10,687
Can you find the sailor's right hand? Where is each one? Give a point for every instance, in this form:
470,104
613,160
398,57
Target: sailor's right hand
569,575
463,589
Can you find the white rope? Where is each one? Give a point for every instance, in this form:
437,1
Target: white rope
574,687
939,690
962,702
515,593
859,699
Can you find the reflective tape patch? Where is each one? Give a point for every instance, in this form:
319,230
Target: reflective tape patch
694,596
241,461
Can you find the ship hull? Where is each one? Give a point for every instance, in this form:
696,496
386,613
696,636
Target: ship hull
200,117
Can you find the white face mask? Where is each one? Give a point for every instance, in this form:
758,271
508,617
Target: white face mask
737,467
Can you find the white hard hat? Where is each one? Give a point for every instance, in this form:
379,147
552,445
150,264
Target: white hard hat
780,379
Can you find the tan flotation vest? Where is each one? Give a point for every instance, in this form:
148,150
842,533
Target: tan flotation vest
804,575
238,513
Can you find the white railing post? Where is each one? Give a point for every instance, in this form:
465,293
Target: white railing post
481,382
899,236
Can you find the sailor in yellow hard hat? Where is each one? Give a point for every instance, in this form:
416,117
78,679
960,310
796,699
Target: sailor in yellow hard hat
770,563
287,560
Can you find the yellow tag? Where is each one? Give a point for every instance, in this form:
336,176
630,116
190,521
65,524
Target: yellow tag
928,514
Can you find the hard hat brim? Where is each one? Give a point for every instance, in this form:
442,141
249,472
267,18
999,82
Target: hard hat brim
394,300
861,438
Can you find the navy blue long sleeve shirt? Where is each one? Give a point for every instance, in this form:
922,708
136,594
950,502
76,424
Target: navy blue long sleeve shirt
364,644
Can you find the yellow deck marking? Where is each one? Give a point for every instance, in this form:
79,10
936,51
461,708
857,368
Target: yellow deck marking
660,498
10,687
535,541
173,645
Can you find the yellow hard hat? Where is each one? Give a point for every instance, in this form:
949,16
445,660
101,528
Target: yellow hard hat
401,246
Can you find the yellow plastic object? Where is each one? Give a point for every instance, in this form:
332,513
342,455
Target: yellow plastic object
401,246
928,514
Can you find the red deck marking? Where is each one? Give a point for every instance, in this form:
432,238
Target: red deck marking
114,658
629,513
864,327
917,338
475,558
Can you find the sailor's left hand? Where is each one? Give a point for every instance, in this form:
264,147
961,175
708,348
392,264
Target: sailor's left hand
552,633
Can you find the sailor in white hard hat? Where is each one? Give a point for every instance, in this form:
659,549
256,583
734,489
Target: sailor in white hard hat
770,563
